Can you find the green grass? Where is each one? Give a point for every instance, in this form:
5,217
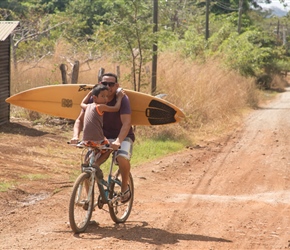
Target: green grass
151,149
57,190
74,173
4,186
34,177
148,150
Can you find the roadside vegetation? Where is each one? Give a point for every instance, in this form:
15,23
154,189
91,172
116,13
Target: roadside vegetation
214,100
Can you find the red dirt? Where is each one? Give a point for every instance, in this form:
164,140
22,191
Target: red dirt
232,193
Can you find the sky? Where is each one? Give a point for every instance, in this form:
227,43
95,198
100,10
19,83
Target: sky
277,7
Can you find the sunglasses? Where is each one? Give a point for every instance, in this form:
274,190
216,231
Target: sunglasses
111,84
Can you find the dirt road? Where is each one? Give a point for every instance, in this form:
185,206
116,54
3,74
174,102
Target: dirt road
233,193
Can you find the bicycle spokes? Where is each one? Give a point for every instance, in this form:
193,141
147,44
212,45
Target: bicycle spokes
108,192
81,204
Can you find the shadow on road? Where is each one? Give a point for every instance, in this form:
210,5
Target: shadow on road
141,233
17,128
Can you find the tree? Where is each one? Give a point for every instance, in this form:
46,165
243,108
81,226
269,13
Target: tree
53,6
177,16
84,17
12,9
34,28
129,34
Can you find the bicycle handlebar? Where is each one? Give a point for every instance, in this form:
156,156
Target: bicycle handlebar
82,144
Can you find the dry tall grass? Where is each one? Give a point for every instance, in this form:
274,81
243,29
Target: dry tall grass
212,97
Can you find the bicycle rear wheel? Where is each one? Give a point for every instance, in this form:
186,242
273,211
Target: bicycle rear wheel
119,211
80,205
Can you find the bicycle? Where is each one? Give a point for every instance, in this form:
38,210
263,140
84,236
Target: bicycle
108,191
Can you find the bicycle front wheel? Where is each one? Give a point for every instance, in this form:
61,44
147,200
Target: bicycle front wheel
119,211
81,204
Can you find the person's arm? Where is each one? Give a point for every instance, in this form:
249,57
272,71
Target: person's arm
116,107
79,122
78,127
126,121
85,101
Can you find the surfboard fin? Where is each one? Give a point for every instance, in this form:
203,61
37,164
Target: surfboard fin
161,96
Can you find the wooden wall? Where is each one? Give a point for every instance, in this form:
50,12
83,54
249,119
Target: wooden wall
4,80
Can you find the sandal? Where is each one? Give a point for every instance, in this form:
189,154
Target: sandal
126,196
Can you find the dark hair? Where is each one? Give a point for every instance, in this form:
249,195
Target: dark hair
112,75
98,89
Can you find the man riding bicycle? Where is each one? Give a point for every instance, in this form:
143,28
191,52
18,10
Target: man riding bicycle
117,129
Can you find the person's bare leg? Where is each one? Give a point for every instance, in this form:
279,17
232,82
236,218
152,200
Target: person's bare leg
124,166
103,158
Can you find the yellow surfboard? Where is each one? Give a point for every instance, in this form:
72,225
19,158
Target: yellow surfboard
64,101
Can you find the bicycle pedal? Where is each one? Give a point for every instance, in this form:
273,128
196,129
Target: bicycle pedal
86,206
100,202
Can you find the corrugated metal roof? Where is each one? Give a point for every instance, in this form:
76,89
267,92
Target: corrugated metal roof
6,28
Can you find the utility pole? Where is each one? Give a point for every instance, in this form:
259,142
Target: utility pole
154,50
240,15
278,30
207,20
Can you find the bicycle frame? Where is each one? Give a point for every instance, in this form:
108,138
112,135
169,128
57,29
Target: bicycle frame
103,185
82,200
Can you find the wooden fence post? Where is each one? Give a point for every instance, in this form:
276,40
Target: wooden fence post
101,72
118,72
75,72
62,68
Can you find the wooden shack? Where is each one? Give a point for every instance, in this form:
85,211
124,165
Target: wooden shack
6,30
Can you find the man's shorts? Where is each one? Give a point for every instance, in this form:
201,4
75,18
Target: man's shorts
126,148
